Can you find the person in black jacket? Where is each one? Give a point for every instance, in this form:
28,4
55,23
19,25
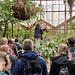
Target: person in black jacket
19,46
70,43
63,58
38,32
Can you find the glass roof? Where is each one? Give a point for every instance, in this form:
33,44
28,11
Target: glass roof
54,11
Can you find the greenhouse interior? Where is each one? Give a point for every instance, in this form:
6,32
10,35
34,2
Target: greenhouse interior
44,28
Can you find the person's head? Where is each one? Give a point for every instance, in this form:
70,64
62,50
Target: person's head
71,41
4,61
38,24
28,45
5,48
16,40
4,41
10,41
64,49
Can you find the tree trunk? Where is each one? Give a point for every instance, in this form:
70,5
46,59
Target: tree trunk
6,28
12,29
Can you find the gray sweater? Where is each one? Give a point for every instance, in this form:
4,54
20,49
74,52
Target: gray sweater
13,60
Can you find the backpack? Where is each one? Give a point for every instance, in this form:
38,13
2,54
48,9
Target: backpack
12,49
64,70
73,55
32,67
6,73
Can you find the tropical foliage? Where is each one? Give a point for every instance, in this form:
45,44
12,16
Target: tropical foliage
6,14
7,18
48,47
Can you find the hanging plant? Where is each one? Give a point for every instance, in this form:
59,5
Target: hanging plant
24,9
71,4
21,11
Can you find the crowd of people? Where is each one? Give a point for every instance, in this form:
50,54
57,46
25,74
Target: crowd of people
13,62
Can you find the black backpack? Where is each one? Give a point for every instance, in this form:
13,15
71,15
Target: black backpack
32,67
64,70
73,55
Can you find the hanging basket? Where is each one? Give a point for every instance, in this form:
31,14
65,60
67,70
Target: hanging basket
21,11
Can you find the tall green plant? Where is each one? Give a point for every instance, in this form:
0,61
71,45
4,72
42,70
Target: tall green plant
6,13
48,47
